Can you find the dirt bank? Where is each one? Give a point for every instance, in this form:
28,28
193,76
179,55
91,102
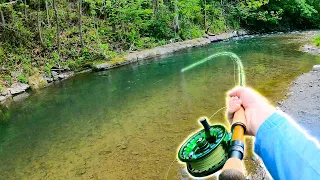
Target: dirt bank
303,102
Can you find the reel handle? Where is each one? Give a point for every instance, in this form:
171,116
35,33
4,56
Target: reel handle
233,168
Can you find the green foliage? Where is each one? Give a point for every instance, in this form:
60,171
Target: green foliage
47,70
317,41
267,15
8,79
29,37
22,78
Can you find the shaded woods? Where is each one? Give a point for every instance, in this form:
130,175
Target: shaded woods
37,35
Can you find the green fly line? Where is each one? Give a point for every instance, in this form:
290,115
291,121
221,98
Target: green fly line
205,157
215,157
234,57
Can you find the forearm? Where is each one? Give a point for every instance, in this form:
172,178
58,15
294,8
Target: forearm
286,151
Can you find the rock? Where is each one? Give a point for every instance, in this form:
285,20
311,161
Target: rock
17,88
49,80
4,92
105,152
316,67
20,97
205,36
124,147
135,153
65,75
310,49
2,98
54,75
80,172
37,81
102,66
15,73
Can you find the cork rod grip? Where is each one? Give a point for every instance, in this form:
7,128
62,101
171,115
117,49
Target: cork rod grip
238,130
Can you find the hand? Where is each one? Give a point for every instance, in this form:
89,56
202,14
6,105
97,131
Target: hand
256,107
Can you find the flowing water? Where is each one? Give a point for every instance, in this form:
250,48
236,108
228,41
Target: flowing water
127,123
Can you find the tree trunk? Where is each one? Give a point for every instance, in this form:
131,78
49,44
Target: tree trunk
47,10
2,17
25,8
39,23
80,23
205,14
57,24
155,7
176,17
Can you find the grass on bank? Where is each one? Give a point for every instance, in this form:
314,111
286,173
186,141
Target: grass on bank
317,41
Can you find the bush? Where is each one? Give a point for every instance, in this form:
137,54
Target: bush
22,78
8,79
317,41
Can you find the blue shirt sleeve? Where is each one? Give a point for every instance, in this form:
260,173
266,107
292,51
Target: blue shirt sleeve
287,151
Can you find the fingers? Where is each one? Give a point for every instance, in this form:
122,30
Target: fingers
236,91
234,105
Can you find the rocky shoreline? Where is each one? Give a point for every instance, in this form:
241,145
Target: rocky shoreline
17,91
166,49
310,49
303,101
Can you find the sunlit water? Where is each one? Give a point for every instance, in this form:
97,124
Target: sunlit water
127,123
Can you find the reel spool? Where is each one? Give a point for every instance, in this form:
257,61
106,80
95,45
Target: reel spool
206,151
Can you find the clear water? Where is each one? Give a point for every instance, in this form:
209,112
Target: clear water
128,123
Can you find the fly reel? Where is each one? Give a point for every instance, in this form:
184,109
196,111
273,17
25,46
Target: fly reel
206,151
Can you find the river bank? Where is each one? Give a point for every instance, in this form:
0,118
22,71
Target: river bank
312,49
17,90
302,102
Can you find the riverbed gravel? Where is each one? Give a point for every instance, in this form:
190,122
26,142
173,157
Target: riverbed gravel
303,102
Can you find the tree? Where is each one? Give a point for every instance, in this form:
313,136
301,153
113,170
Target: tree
176,17
155,6
57,26
205,13
39,22
25,8
47,11
80,23
2,17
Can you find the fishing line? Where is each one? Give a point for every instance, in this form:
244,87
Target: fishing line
234,57
167,174
217,112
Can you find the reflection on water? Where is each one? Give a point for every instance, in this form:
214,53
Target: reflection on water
128,123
